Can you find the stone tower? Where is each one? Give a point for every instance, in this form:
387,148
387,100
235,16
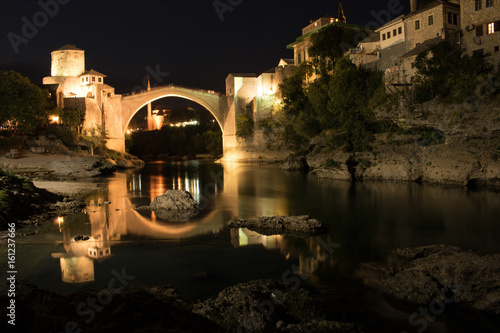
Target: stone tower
68,61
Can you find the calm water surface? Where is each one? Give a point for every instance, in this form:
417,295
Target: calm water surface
201,257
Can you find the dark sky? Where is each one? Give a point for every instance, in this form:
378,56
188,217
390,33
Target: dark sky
184,38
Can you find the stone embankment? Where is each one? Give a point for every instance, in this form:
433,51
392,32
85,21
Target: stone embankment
435,143
274,225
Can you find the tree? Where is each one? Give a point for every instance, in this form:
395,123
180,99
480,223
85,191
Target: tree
73,117
292,92
22,102
443,71
330,44
345,91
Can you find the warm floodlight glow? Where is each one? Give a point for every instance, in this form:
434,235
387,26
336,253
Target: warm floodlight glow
54,119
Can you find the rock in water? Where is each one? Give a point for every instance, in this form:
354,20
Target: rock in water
440,272
280,224
175,205
295,164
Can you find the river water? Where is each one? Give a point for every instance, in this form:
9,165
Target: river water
201,257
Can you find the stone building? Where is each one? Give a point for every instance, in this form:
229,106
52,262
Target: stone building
481,29
367,53
392,43
72,86
302,44
256,95
437,21
403,38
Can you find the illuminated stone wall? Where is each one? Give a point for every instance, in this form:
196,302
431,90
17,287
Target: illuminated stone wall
439,27
68,61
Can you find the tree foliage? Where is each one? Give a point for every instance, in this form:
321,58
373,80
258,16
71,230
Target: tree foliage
244,126
22,102
72,117
444,72
334,105
331,42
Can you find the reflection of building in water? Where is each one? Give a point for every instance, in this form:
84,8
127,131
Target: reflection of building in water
77,264
311,255
244,237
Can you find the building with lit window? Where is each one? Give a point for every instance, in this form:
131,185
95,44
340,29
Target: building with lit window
302,44
481,29
429,25
73,87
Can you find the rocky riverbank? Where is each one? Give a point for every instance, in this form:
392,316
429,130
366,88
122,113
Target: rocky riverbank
437,288
438,274
64,166
434,143
23,203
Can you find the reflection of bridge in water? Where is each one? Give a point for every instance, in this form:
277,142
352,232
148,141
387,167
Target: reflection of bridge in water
113,216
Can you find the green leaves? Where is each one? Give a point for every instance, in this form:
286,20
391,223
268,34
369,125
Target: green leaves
22,102
444,72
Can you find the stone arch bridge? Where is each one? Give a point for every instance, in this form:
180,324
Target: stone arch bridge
119,114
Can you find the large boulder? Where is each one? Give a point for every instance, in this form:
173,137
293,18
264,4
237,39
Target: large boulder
273,225
267,306
175,205
445,272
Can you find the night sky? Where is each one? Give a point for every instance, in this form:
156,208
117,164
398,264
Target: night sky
185,38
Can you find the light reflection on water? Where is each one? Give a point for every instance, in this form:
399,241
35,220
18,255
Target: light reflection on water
367,220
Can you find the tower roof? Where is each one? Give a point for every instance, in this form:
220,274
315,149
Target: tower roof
92,72
69,47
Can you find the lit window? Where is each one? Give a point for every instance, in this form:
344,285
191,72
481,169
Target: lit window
400,30
417,25
87,78
489,3
479,4
431,19
491,28
383,36
76,56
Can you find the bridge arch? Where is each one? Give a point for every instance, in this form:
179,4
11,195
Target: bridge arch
131,104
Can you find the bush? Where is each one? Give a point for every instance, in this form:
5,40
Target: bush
244,126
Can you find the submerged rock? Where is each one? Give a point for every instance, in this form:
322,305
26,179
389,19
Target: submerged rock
280,224
447,274
295,164
175,205
266,306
